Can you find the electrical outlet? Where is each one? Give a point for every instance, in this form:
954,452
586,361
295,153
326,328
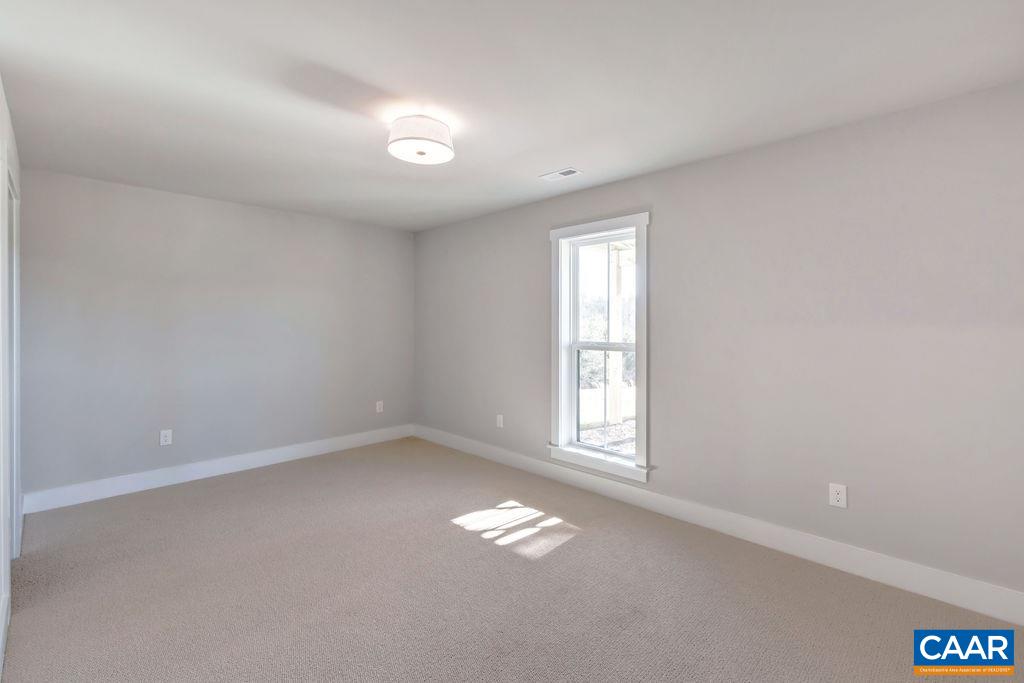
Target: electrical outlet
166,437
380,406
837,495
500,421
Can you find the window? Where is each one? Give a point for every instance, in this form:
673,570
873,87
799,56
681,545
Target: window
599,346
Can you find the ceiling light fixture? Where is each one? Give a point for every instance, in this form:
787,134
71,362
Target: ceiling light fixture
421,140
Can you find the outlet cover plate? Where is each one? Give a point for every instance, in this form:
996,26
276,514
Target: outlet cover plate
837,495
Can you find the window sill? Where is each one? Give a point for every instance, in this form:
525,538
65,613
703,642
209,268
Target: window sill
602,462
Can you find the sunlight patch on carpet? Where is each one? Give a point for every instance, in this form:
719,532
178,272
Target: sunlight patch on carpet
524,530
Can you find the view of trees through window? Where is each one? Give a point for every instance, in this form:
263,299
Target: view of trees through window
606,331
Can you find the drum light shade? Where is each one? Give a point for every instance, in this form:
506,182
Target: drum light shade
421,140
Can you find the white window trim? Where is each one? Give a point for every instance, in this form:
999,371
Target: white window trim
563,444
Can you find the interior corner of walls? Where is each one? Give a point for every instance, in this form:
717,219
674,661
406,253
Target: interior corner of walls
301,281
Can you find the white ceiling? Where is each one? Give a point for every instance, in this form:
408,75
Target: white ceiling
283,104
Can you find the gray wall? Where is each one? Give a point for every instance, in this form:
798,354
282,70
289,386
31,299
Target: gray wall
240,328
846,306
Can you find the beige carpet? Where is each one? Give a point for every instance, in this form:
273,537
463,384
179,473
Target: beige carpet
349,567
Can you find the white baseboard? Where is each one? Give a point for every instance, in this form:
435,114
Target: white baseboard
5,611
62,496
996,601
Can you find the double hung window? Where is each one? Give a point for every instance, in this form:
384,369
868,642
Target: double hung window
599,350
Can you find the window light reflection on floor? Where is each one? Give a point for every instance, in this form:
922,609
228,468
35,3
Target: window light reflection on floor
525,530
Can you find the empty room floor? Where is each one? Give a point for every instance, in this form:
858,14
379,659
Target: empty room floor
410,561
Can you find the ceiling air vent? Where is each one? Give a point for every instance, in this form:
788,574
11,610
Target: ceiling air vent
558,175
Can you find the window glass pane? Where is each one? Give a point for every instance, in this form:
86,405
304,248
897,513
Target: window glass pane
622,291
590,398
606,291
607,400
620,402
592,292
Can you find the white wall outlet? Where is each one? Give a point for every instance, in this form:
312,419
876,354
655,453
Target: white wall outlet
166,437
380,406
837,495
500,421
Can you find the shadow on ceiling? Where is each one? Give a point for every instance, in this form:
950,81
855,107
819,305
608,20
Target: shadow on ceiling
336,89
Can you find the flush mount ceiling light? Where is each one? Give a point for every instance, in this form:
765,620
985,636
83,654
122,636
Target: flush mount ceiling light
421,140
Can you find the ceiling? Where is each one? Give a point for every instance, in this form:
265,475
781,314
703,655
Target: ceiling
284,104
